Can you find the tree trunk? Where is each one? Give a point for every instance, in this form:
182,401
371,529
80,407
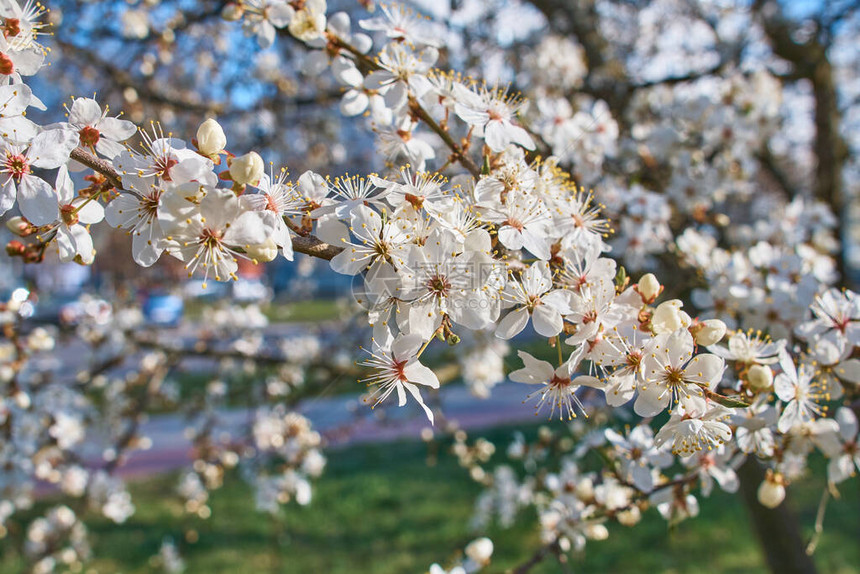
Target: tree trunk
829,151
777,529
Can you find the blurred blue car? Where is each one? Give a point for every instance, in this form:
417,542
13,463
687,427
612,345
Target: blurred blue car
162,308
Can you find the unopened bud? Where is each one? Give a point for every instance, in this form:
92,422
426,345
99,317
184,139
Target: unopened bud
480,551
760,377
210,138
19,226
265,251
771,493
585,489
709,332
22,399
247,168
15,248
232,12
596,532
668,317
629,517
649,288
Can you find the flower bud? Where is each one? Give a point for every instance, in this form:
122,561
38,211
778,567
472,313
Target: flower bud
629,517
247,168
760,377
668,317
22,399
596,532
480,551
771,493
210,138
709,332
265,251
19,226
585,489
232,12
648,288
477,474
15,248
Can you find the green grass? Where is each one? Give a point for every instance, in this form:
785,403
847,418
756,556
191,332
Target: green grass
381,509
311,311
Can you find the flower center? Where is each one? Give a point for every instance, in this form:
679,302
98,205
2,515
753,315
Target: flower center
439,285
405,135
12,27
398,367
89,136
673,376
381,249
559,382
516,224
416,201
163,166
211,238
68,214
634,360
7,67
149,205
17,165
840,323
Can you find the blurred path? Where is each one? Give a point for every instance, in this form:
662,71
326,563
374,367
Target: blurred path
343,420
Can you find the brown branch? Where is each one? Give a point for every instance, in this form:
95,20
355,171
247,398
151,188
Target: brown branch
311,245
457,152
98,165
123,79
537,557
688,77
153,380
768,162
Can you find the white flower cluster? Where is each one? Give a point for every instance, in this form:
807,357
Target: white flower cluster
478,554
57,540
285,441
775,406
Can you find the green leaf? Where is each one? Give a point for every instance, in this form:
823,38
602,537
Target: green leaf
730,402
621,277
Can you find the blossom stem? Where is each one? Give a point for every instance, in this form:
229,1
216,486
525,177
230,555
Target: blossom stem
427,344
